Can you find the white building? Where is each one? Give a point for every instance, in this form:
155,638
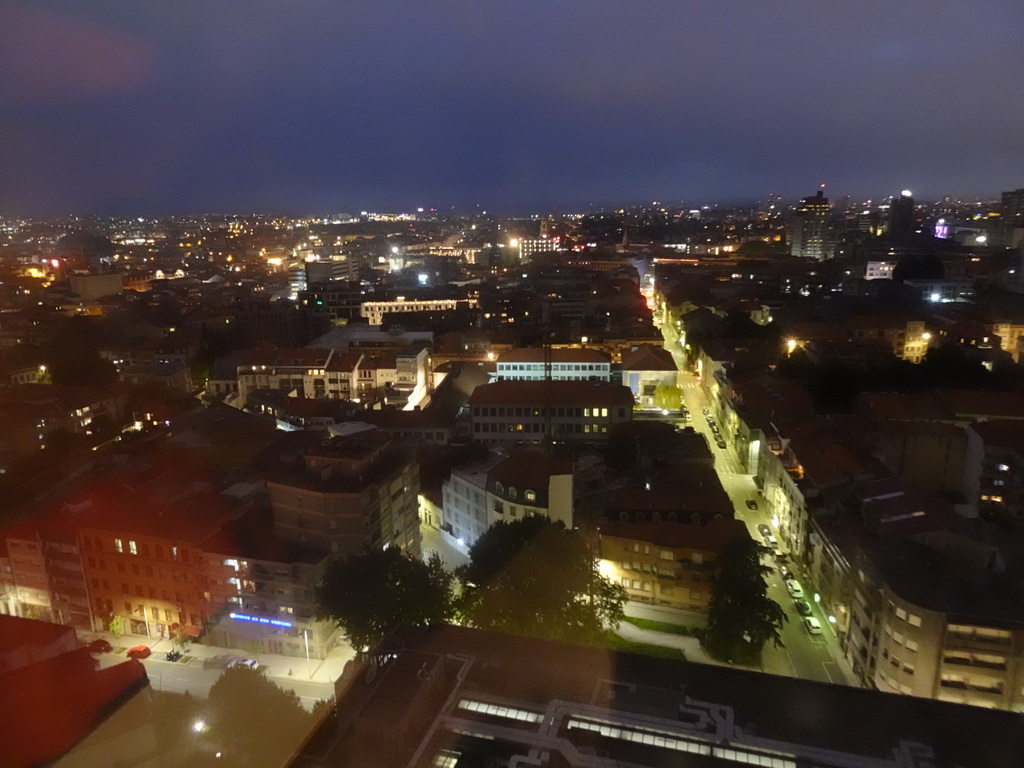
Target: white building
529,482
879,270
374,311
562,364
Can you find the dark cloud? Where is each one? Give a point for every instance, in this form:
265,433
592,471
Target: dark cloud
309,104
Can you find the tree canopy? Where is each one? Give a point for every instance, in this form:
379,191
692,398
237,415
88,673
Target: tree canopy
741,616
369,594
534,577
252,721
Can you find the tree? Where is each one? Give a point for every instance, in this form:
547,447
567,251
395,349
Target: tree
668,396
252,721
116,626
533,577
369,594
741,616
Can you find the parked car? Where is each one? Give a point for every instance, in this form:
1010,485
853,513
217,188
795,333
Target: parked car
99,645
751,504
785,572
795,590
764,530
770,541
803,607
813,625
139,652
250,663
780,556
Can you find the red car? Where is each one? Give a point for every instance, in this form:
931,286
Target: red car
139,652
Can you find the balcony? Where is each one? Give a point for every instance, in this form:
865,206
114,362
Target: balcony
979,664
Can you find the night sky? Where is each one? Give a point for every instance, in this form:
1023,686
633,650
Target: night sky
325,106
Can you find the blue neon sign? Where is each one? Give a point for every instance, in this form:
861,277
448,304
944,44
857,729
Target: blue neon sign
259,620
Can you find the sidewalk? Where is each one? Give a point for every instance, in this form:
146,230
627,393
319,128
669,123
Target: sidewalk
774,661
273,665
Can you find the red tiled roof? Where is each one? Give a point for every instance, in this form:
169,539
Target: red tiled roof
647,357
345,363
713,537
583,393
530,469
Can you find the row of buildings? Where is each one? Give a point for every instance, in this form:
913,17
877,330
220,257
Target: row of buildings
904,515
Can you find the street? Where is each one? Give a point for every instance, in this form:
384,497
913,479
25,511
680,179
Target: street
803,655
311,683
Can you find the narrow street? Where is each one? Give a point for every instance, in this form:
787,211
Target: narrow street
811,657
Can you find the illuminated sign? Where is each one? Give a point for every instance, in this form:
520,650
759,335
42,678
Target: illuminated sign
259,620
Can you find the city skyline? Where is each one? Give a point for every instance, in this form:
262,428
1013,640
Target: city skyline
154,110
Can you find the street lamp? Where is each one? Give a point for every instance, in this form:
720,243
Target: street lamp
305,637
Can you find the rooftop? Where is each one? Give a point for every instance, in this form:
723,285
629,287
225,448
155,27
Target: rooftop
556,393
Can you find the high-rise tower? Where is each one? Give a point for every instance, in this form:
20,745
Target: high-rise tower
810,227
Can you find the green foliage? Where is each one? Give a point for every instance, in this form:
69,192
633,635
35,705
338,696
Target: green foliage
370,594
741,616
116,626
252,721
534,577
616,643
668,396
660,626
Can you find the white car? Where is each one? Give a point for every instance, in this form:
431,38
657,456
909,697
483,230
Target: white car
812,625
795,590
250,663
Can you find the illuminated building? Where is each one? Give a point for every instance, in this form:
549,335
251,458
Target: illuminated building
810,228
512,412
529,482
345,494
557,364
666,564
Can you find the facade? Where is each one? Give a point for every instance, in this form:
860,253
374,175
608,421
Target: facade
810,228
879,270
908,337
667,564
344,494
171,374
529,482
269,592
338,300
96,286
995,465
317,373
513,412
646,368
374,311
557,364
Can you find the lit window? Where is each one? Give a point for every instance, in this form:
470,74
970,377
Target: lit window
531,496
133,548
119,545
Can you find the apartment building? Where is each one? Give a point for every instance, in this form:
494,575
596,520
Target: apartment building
528,482
555,363
514,412
667,564
346,493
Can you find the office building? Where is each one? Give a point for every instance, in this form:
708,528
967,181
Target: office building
810,228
